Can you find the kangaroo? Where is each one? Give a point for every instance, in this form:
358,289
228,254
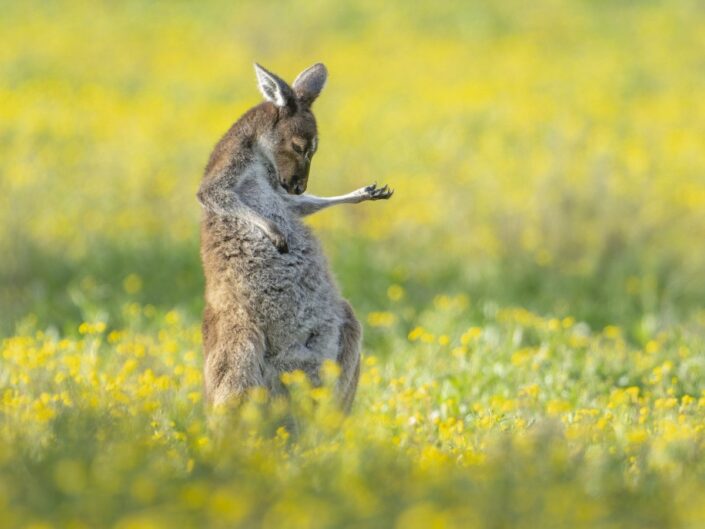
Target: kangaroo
271,304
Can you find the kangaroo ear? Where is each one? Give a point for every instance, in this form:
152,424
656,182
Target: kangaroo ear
273,88
309,84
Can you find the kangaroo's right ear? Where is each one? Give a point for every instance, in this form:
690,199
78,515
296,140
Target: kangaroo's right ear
273,88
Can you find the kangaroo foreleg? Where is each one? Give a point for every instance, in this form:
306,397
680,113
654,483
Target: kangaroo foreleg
218,196
307,204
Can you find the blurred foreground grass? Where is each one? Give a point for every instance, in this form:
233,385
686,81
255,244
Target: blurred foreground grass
520,422
546,155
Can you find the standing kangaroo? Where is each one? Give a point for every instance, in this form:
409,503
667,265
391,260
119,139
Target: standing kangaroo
271,305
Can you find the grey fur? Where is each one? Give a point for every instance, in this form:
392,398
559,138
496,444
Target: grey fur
272,305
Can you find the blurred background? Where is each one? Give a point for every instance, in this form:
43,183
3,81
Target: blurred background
547,154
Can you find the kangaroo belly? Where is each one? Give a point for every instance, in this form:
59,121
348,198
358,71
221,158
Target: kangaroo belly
300,315
290,297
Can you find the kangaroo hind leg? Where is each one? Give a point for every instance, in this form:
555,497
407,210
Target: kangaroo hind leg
233,362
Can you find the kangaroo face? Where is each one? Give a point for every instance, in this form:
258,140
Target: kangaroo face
297,144
293,138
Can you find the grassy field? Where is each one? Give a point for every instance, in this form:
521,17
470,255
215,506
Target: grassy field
532,295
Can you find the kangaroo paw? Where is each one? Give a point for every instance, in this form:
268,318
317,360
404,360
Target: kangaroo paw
279,241
277,237
378,193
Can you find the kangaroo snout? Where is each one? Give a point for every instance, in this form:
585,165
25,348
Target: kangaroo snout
296,186
299,180
299,188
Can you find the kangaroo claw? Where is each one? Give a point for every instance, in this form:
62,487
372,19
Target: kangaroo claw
381,193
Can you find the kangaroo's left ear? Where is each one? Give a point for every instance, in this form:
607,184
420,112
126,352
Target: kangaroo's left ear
273,88
309,84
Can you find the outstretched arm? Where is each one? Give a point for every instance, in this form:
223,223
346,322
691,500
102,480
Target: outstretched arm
307,204
218,195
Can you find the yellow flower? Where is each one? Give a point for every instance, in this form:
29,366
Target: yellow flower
132,284
395,292
381,319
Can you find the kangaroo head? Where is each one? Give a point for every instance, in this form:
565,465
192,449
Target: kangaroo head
292,138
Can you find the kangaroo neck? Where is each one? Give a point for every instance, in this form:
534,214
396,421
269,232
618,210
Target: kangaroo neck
263,156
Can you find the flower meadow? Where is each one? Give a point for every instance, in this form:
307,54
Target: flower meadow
534,351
